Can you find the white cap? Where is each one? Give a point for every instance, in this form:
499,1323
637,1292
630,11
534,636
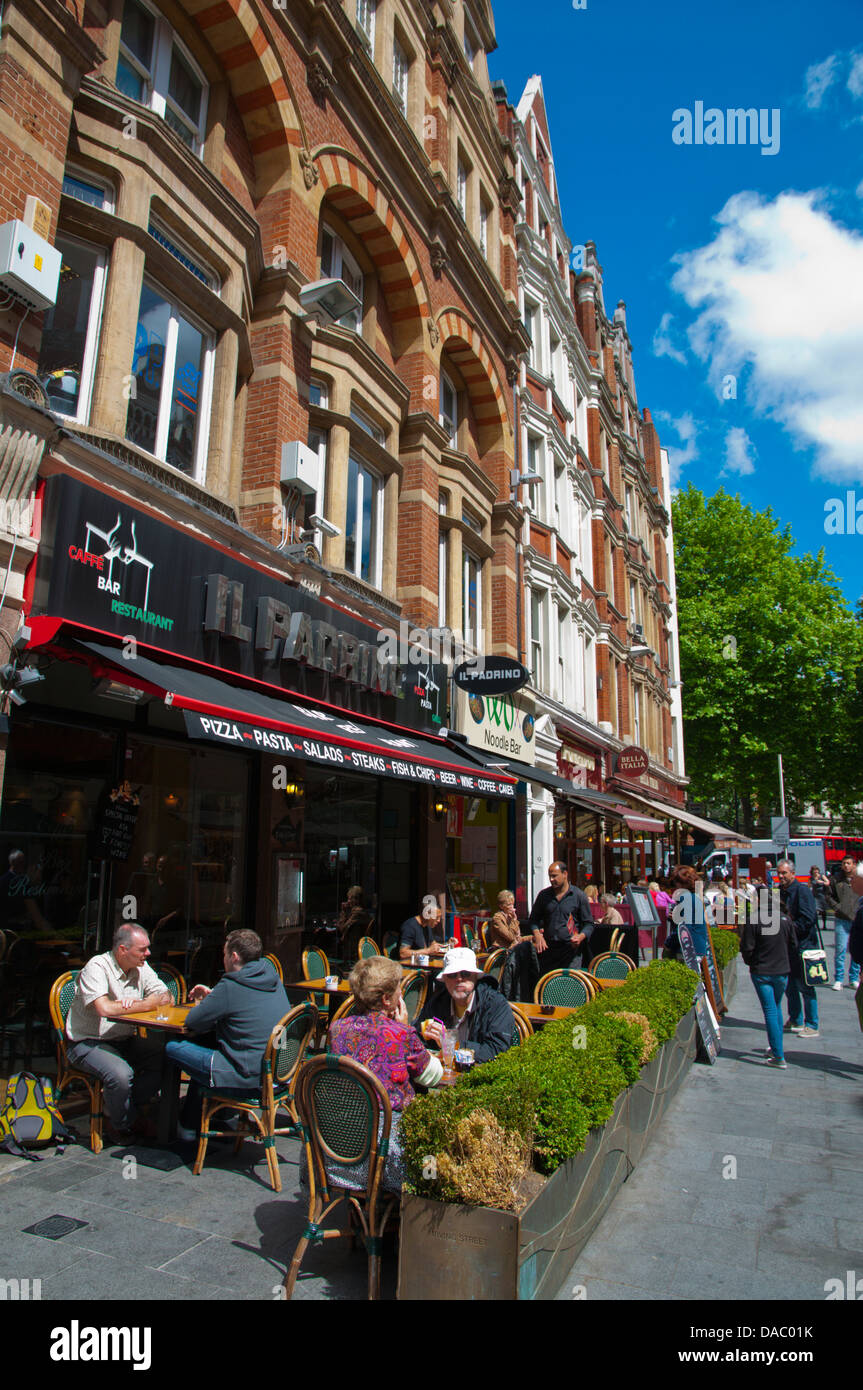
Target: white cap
459,958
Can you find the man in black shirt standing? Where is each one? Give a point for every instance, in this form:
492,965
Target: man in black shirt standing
549,922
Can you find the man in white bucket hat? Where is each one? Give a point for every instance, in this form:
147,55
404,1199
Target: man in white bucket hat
466,1001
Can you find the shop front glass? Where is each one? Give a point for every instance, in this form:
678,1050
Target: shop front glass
576,842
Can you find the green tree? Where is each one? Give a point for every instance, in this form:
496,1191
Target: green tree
770,658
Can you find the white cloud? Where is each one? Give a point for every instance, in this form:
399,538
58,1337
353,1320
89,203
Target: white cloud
662,344
855,77
819,77
686,430
859,189
739,453
780,290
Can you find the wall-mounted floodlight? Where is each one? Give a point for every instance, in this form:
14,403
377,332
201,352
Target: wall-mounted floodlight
516,479
320,523
330,297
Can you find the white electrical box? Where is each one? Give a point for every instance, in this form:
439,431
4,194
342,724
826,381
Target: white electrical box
29,266
301,467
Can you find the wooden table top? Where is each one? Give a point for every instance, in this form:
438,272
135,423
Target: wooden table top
319,986
535,1014
174,1022
608,984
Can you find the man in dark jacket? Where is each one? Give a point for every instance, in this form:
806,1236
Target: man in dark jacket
468,1002
555,909
240,1014
797,902
843,896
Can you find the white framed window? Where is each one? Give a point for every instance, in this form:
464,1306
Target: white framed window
471,39
442,568
70,335
366,22
628,507
172,383
484,214
563,625
364,522
156,69
319,393
181,253
537,631
337,263
471,623
560,510
636,714
461,187
400,76
318,441
449,409
361,419
533,324
633,603
88,188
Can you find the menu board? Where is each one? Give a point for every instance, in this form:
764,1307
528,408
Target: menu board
116,823
467,892
707,1026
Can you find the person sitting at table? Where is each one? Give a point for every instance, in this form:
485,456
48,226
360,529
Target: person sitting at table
110,987
504,929
610,917
468,1002
241,1013
591,892
377,1034
417,934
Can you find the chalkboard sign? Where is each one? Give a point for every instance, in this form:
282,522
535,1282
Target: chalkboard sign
707,1025
116,823
715,982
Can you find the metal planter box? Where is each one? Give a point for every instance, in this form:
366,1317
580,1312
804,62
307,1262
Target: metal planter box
461,1252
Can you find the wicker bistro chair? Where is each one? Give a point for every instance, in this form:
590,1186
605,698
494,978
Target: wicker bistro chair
346,1121
348,1006
367,947
277,966
568,988
173,981
616,938
495,963
523,1025
285,1052
414,991
611,965
59,1004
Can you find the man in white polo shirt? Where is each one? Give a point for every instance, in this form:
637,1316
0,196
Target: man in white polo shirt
110,987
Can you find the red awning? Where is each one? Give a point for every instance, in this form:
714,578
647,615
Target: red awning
645,824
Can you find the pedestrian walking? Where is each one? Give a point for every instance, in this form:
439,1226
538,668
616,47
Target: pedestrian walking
842,898
797,902
768,953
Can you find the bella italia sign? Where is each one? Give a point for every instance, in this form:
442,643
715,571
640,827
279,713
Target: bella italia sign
501,724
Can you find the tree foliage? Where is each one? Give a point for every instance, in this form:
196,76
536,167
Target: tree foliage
771,658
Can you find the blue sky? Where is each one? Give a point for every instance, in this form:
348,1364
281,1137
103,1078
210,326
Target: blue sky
742,272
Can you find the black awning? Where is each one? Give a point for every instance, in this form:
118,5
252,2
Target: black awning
239,717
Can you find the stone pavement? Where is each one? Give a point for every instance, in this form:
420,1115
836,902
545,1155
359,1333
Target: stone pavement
154,1231
752,1187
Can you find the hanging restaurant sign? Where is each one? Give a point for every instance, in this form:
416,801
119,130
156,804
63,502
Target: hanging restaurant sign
491,675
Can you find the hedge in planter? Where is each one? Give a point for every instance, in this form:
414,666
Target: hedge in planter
554,1087
726,945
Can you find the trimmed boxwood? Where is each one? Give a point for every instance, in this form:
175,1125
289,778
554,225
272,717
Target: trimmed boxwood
558,1084
726,945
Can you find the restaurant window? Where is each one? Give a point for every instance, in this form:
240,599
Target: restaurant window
337,263
169,408
186,867
70,335
155,69
363,522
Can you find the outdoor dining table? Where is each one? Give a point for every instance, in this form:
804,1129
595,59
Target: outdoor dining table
169,1019
537,1014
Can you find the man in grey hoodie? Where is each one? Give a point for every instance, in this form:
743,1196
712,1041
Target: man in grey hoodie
240,1013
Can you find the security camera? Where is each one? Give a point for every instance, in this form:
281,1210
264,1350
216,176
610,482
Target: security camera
320,523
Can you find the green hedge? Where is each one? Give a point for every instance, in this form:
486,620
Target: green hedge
726,945
552,1089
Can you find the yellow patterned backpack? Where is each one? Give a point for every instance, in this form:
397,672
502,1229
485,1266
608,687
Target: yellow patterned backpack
30,1116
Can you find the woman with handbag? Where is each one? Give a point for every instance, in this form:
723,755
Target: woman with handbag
797,901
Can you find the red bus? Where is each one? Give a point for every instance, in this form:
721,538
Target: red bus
836,847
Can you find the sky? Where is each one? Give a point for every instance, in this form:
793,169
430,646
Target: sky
741,264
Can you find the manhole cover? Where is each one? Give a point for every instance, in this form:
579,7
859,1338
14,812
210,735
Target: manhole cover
54,1227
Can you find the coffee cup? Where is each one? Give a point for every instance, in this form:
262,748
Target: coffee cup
331,981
